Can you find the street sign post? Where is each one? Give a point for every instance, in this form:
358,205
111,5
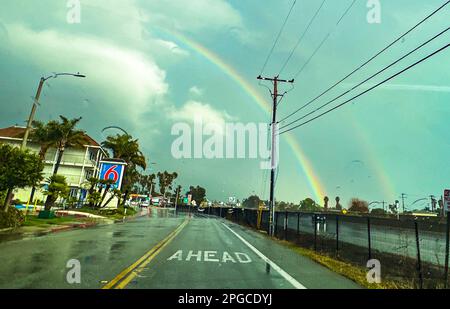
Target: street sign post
446,200
114,171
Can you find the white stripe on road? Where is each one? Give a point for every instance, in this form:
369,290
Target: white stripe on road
284,274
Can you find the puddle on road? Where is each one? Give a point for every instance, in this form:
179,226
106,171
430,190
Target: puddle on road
117,234
118,246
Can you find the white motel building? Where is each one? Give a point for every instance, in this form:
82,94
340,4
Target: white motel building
77,164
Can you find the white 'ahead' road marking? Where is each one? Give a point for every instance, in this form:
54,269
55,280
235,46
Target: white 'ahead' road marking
284,274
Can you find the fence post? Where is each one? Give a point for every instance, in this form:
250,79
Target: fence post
286,226
369,239
447,247
315,231
275,217
337,235
419,261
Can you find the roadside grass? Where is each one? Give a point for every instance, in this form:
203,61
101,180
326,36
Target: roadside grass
352,272
115,214
35,221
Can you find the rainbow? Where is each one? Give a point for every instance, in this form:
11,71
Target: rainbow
305,165
385,181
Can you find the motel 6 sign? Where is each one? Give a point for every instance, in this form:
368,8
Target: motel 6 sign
113,171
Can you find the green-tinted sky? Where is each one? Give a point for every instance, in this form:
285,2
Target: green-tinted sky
148,67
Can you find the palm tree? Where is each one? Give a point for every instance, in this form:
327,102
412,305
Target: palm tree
42,135
326,200
66,135
338,204
126,148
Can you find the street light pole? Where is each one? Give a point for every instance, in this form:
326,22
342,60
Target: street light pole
33,112
36,102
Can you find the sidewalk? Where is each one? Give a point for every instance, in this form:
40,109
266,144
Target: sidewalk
9,234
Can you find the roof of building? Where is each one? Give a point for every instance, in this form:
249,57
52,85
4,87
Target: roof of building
18,132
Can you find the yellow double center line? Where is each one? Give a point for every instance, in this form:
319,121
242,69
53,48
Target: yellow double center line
128,274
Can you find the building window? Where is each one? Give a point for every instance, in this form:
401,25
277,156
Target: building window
93,155
73,192
89,174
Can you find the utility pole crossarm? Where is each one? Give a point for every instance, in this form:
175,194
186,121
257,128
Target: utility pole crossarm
276,79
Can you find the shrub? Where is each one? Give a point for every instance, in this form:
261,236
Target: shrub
357,205
11,218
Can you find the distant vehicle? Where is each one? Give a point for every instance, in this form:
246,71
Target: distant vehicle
156,201
139,200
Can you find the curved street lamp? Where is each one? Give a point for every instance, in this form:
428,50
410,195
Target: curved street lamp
36,102
419,200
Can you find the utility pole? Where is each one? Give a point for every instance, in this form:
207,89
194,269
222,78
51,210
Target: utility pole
33,112
36,103
403,201
274,162
433,202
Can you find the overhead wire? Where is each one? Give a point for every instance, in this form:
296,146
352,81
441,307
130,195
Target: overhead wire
368,90
368,61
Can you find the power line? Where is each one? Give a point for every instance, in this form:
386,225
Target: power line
367,62
368,79
324,40
346,12
368,90
277,38
301,37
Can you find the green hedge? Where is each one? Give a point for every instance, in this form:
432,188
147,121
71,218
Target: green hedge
12,218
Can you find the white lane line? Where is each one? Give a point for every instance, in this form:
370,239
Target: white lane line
284,274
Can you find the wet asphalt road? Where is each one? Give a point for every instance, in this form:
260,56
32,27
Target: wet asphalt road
206,253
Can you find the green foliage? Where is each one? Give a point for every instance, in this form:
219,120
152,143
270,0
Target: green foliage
12,218
309,205
147,184
338,203
378,212
357,205
43,135
165,181
72,202
126,148
198,194
94,198
64,134
57,188
18,169
251,202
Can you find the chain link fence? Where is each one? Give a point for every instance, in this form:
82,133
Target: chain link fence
411,250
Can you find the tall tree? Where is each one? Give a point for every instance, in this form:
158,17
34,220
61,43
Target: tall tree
338,203
326,200
251,202
66,135
18,169
126,148
43,135
358,205
57,188
166,180
198,194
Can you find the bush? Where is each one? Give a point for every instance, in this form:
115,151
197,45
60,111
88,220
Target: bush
121,211
11,218
357,205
